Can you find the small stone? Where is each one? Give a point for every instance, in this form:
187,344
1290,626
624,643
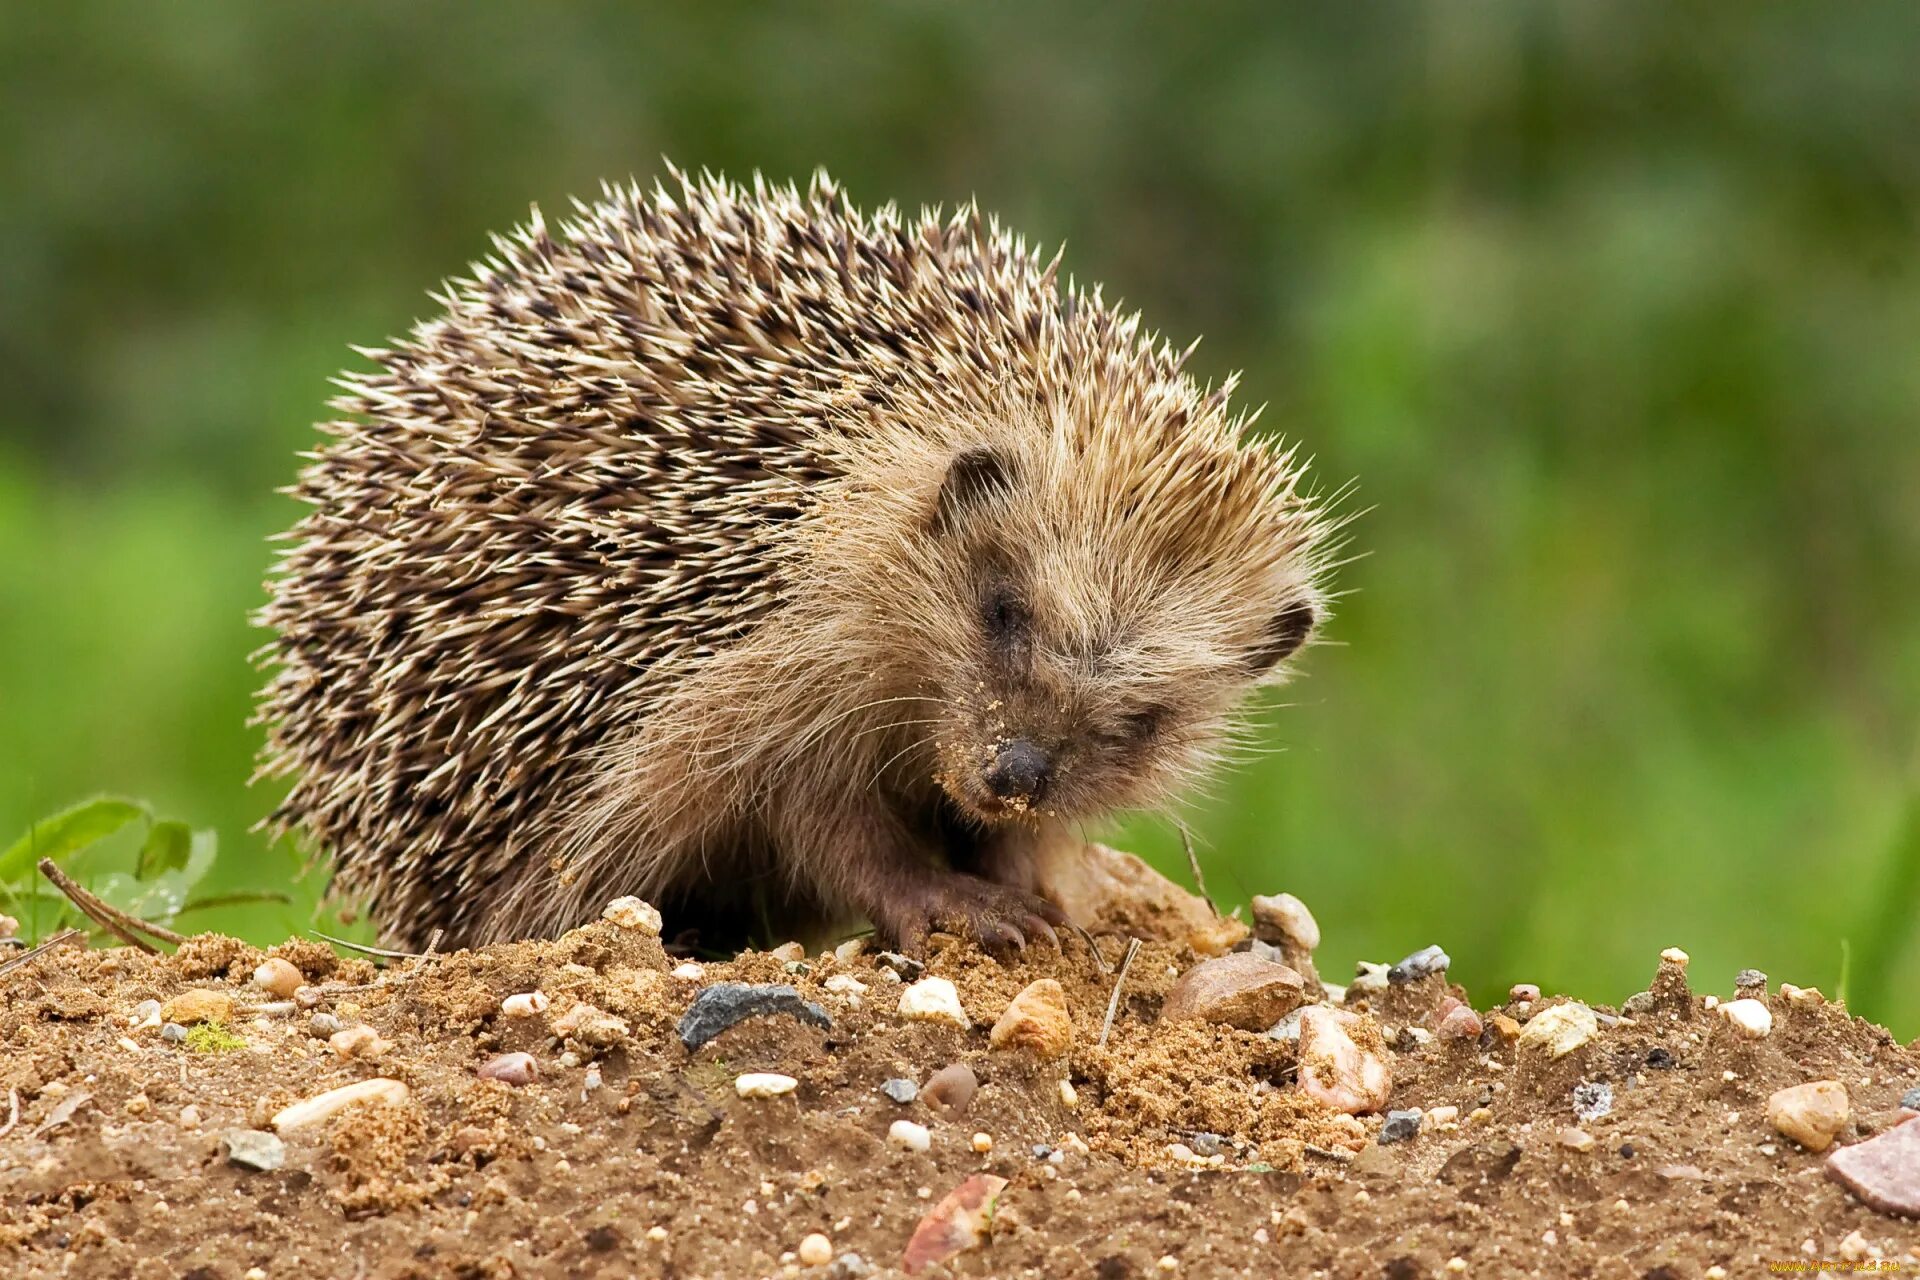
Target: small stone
1422,963
1884,1171
1639,1004
1750,982
1559,1030
321,1106
254,1149
1440,1117
1283,919
850,950
198,1005
1335,1068
1811,1114
1674,956
278,977
911,1136
1911,1099
815,1251
510,1068
358,1041
1801,995
1167,1262
850,1266
324,1026
1459,1022
633,913
143,1015
1507,1029
689,971
591,1026
959,1222
173,1033
983,1142
933,1000
1592,1099
1069,1096
1750,1017
900,1090
949,1091
1523,993
1855,1248
525,1004
906,968
1036,1020
763,1084
1368,979
1575,1139
189,1117
789,952
1237,990
1401,1126
844,984
725,1003
656,1234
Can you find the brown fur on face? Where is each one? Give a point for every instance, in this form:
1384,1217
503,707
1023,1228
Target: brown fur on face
737,549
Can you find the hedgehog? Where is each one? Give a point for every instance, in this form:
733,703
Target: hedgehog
772,561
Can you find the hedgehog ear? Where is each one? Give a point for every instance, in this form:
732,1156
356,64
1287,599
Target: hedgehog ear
975,476
1284,635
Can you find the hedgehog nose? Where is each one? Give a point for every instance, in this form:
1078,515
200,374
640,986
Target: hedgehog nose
1020,771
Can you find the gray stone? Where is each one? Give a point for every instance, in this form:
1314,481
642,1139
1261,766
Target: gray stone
1750,982
1400,1126
725,1003
1427,960
1911,1099
1592,1099
900,1090
255,1149
1238,990
173,1033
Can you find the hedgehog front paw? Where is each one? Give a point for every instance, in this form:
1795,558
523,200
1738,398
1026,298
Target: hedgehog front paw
999,918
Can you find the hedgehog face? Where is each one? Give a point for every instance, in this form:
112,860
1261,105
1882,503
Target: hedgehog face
1082,660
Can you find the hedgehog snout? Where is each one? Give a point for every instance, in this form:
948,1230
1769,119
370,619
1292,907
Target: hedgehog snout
1020,772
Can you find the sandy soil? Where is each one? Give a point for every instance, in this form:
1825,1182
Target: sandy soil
627,1154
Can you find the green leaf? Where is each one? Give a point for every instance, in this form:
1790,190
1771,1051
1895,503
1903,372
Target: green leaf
68,832
166,849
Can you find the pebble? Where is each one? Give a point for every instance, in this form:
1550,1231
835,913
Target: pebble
850,950
815,1251
1884,1171
763,1084
1576,1139
307,997
321,1106
591,1026
1288,1028
850,1266
1750,982
1507,1029
633,913
1911,1099
1675,956
1811,1114
933,1000
1559,1030
983,1142
1750,1017
525,1004
278,977
1036,1020
1368,979
900,1090
358,1041
510,1068
656,1233
949,1091
1457,1021
1523,993
906,968
1440,1117
143,1015
1801,995
1069,1096
1639,1004
1236,990
198,1005
689,971
189,1117
1592,1099
1284,919
323,1025
788,952
1334,1068
959,1222
1401,1126
725,1003
1427,960
173,1033
907,1134
254,1149
845,984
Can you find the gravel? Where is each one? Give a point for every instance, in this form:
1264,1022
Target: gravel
725,1003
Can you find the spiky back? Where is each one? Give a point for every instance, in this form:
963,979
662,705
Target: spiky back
578,482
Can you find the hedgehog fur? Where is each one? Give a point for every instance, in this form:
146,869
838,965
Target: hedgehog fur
769,560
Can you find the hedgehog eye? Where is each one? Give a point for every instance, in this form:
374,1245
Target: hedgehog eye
1005,615
1144,723
1285,634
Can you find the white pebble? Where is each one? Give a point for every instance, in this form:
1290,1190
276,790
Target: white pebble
525,1004
1069,1096
1751,1018
844,984
1560,1030
690,971
656,1234
983,1142
905,1133
815,1251
849,951
1674,955
312,1110
632,913
764,1084
933,1000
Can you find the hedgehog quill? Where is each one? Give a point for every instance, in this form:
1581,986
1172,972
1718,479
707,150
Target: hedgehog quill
770,560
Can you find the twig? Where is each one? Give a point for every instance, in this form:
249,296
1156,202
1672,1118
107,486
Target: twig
1193,865
1113,1001
109,917
1091,946
28,957
372,951
387,978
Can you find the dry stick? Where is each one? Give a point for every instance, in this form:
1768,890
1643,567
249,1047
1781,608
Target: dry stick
28,957
1113,1001
386,978
1193,864
372,951
115,921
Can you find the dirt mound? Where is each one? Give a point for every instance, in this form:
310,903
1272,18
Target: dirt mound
141,1149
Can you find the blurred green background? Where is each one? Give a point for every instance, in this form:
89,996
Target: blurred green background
1610,309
